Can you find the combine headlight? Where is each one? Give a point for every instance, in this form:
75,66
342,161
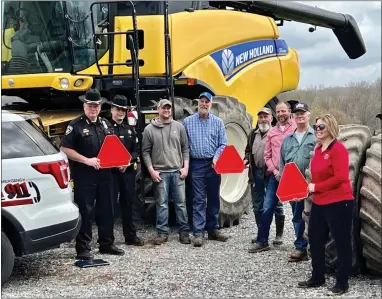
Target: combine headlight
78,82
64,83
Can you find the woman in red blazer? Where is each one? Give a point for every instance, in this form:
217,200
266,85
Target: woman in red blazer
332,208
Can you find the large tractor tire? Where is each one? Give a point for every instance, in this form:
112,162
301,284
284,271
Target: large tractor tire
235,193
371,208
356,139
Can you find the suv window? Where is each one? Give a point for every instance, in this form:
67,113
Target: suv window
21,140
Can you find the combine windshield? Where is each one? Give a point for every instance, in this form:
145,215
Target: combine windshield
50,36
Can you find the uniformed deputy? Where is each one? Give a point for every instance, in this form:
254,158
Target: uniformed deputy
124,177
82,142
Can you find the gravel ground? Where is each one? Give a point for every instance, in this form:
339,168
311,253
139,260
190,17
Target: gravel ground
177,270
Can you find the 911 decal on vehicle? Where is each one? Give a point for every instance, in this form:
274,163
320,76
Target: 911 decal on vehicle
20,192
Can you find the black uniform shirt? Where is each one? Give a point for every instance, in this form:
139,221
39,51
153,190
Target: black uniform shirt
128,137
86,138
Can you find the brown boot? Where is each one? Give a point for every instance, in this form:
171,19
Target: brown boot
198,241
217,236
258,248
184,238
160,239
298,256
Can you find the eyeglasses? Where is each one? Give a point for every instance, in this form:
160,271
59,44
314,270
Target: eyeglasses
320,126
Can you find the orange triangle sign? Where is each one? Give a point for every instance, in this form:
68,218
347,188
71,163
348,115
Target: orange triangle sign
229,161
293,185
113,153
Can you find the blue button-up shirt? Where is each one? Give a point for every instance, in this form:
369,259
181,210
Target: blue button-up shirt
206,136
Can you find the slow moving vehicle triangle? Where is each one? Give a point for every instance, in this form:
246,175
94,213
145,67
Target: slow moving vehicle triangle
293,185
229,161
113,153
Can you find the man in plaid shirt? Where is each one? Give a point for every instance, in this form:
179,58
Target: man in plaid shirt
207,139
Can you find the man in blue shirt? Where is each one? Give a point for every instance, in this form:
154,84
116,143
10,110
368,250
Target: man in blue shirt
207,139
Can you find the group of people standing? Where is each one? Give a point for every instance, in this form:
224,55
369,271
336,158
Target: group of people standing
175,152
292,139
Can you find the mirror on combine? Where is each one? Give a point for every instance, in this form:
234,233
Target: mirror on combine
50,36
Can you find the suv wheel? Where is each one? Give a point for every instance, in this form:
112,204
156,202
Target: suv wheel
7,258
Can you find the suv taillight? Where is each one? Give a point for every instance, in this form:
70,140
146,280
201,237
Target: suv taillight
58,169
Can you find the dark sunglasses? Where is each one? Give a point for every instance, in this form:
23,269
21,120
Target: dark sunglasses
320,126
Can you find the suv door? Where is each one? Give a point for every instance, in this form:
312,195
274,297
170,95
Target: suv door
35,175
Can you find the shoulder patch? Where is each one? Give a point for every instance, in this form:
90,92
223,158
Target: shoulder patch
69,130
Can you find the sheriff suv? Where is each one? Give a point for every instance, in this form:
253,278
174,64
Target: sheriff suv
37,209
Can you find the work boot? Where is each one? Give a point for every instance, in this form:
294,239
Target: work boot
337,289
217,236
111,249
298,256
310,283
160,239
258,248
198,241
279,230
84,256
134,241
184,238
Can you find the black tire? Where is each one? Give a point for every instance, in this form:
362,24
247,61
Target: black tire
371,208
234,114
7,258
356,139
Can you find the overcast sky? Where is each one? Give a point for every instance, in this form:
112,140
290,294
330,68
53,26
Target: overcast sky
322,59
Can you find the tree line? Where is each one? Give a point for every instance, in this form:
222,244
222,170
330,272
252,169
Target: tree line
356,103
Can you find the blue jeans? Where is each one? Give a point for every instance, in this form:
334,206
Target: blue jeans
258,194
205,183
270,203
299,225
171,183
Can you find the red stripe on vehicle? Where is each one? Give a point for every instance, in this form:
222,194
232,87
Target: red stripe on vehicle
21,202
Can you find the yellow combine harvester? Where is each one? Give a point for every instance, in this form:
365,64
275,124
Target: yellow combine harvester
53,51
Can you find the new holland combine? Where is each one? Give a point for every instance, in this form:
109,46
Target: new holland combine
53,51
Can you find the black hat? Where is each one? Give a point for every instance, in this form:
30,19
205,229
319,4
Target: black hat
92,96
119,101
300,107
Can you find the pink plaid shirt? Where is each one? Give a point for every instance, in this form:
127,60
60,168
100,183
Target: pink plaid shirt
273,143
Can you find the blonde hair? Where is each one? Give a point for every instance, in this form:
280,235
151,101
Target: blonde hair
331,124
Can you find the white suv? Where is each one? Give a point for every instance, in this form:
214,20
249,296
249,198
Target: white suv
37,209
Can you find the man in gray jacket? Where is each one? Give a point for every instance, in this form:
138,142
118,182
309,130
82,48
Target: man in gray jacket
296,148
166,155
258,174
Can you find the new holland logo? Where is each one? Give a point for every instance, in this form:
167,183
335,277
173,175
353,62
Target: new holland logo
228,62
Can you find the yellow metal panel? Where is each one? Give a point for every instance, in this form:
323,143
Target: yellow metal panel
45,80
153,52
199,33
253,86
291,70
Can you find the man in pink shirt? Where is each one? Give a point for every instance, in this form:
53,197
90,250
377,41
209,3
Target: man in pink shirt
275,137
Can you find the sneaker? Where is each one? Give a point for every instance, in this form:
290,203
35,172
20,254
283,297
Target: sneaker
217,236
258,248
184,238
298,256
160,239
111,249
198,241
338,290
311,284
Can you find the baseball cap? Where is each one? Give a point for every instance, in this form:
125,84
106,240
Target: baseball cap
265,110
300,107
206,95
164,102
